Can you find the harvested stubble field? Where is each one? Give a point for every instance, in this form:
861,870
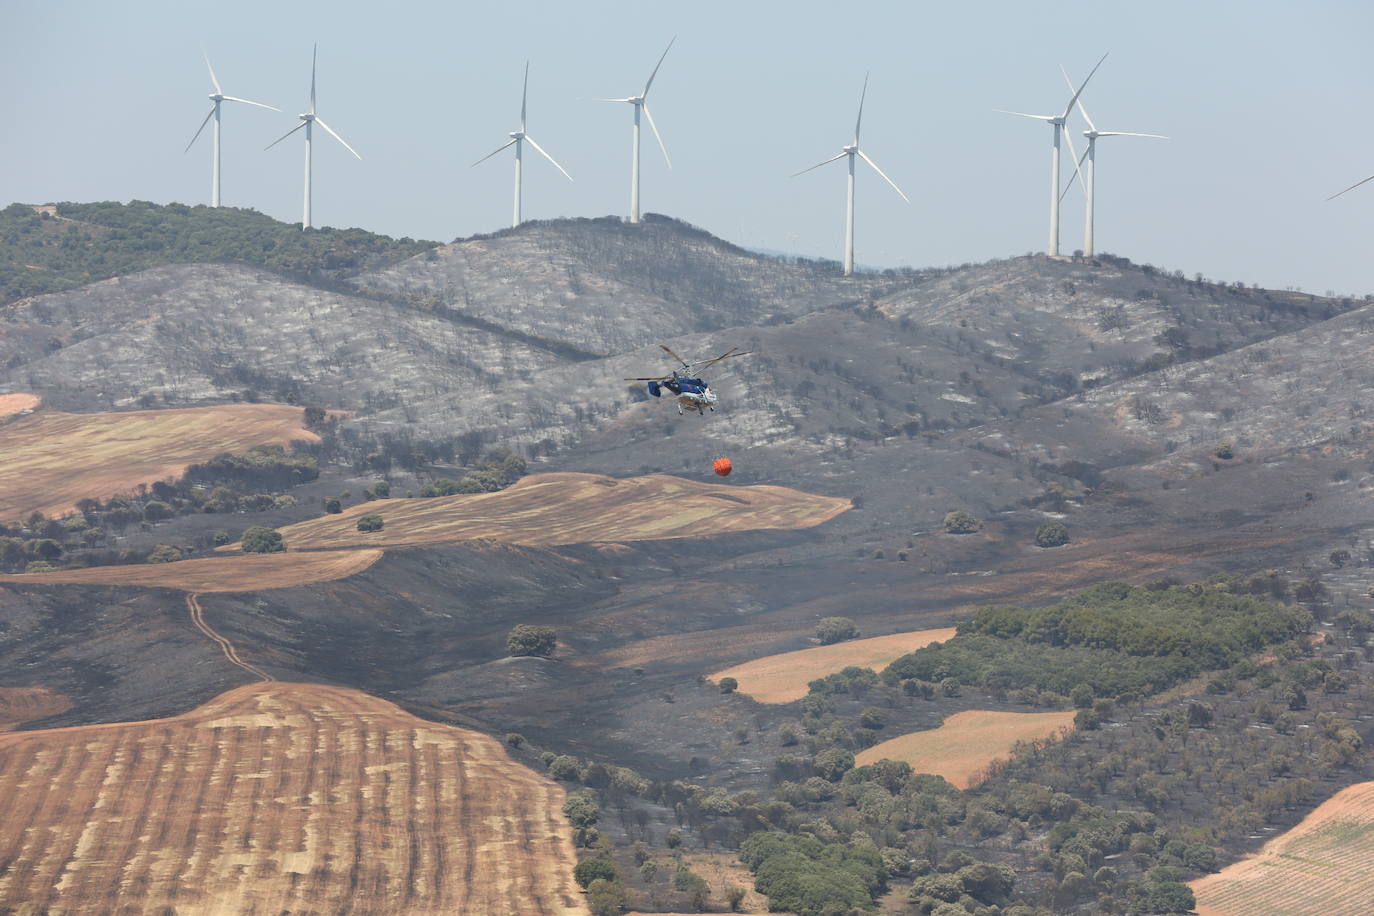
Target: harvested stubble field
216,574
11,404
25,704
963,746
783,678
1319,868
52,458
545,510
279,797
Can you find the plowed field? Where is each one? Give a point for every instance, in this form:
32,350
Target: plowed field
274,798
962,747
24,704
783,678
216,574
1319,868
545,510
52,459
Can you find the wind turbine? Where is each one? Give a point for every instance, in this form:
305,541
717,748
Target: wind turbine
852,151
640,105
217,96
307,120
517,140
1089,181
1058,123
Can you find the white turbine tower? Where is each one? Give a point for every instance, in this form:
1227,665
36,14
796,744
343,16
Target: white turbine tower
517,139
217,96
1058,123
640,105
853,151
1089,180
307,120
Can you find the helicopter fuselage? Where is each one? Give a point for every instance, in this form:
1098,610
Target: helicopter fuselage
691,393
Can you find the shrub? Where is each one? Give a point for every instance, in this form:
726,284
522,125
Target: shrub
1051,534
526,639
961,522
1225,450
261,539
221,538
332,505
836,629
370,522
728,685
164,553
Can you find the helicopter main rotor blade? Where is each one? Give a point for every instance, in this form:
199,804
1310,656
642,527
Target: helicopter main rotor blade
676,357
728,354
656,378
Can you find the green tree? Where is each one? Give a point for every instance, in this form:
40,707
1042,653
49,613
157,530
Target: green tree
593,869
581,808
728,685
961,522
332,505
381,489
1051,534
261,539
370,522
164,553
833,762
605,897
527,639
836,629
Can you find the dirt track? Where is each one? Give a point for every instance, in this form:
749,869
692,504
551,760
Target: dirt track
277,797
962,747
1319,868
783,678
216,574
545,510
52,458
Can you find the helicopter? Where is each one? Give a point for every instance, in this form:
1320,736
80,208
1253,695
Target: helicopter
685,384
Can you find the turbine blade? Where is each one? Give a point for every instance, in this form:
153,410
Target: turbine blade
494,152
1351,188
1076,174
337,137
1073,154
199,129
548,157
314,55
230,98
1024,115
864,157
213,79
656,66
285,135
818,165
1069,107
1081,110
657,136
1127,133
630,99
524,95
859,120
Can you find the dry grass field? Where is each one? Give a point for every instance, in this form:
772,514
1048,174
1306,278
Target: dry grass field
545,510
216,574
1319,868
11,404
24,704
963,746
783,678
279,798
52,459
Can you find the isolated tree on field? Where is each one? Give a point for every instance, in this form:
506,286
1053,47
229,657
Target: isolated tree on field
1051,534
836,629
728,685
164,553
527,639
961,522
332,505
370,522
261,539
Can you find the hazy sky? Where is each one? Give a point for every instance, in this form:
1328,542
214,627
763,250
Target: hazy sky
1270,107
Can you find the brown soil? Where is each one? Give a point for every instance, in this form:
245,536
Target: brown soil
279,797
13,403
783,678
216,574
961,749
52,459
25,704
1319,867
545,510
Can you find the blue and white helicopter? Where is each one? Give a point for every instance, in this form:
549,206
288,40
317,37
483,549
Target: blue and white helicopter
692,391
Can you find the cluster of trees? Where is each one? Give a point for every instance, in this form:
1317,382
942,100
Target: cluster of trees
88,242
1115,638
498,470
